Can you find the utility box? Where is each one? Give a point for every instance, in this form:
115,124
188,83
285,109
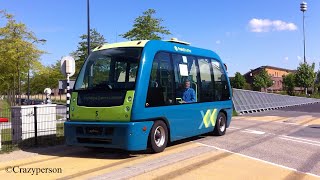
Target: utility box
24,118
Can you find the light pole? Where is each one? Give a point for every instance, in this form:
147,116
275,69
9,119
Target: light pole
39,40
88,28
303,8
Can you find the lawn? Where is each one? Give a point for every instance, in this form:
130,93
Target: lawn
234,113
7,146
5,111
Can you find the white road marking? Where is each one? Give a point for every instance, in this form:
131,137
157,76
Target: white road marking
289,139
253,131
233,128
300,139
268,162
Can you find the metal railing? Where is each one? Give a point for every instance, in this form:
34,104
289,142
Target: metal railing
252,101
32,125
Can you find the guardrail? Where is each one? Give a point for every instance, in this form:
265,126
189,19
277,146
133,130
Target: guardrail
246,101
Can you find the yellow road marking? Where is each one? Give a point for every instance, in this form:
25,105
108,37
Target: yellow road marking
222,165
89,165
168,151
312,121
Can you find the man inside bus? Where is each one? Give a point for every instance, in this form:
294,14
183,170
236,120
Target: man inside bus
188,94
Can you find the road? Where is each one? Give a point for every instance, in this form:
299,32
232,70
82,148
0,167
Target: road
281,144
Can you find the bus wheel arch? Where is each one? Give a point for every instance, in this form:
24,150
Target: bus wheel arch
224,112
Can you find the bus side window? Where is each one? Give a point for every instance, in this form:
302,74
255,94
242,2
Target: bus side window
207,90
160,90
185,68
222,92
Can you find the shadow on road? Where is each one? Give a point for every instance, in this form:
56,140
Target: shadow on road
98,153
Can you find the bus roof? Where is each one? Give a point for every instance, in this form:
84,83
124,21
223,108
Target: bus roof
140,43
176,45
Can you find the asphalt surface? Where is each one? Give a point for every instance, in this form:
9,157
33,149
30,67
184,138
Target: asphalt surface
293,146
311,108
281,144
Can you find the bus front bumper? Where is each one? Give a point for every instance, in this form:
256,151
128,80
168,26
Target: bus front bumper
131,136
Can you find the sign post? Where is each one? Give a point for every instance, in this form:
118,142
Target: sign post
68,68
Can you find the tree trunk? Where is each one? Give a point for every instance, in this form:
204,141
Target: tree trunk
19,86
13,102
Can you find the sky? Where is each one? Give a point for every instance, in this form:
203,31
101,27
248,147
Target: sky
246,34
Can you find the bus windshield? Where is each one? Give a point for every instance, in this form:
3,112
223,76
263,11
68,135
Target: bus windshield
106,76
110,69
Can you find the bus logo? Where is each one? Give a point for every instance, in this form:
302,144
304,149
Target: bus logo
182,49
208,118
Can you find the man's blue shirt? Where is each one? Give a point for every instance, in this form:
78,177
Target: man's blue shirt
189,95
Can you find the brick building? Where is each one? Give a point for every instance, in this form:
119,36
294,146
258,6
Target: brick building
276,74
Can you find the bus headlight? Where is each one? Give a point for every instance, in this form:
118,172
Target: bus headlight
129,98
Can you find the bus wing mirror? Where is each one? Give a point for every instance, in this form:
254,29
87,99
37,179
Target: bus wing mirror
225,66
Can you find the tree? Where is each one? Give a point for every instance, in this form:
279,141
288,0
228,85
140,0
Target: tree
18,54
146,27
262,80
47,77
247,86
318,77
238,81
305,76
81,54
289,83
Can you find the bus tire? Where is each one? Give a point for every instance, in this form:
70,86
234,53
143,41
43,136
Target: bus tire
158,136
221,125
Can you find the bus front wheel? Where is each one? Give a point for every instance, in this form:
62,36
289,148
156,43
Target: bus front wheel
158,136
221,125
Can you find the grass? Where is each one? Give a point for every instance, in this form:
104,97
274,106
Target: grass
234,113
7,146
6,141
60,129
5,110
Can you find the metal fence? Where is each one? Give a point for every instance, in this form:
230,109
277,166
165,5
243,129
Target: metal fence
30,126
252,101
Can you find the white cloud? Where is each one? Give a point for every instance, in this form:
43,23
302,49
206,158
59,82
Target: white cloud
299,58
286,58
218,42
266,25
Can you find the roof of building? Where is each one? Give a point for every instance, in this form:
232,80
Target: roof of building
271,67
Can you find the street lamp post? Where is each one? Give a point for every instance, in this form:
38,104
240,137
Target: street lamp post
40,40
88,28
303,8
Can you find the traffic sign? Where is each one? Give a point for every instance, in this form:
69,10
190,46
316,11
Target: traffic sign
68,66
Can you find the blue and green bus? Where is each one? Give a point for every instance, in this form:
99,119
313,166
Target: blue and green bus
144,94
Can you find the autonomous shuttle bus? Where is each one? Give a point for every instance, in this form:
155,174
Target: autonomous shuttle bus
139,94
